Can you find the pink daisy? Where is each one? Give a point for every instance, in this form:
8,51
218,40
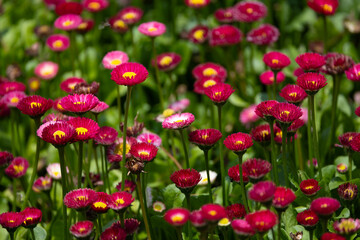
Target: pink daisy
114,58
58,42
209,69
79,103
152,29
178,121
69,84
129,74
46,70
67,22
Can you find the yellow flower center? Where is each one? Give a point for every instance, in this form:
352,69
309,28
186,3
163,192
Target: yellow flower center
18,168
204,180
293,94
11,221
309,187
325,205
59,106
349,192
152,29
275,61
129,75
347,226
227,14
34,85
120,201
81,198
341,167
119,23
57,44
94,5
217,94
212,212
82,25
224,221
82,229
179,121
100,205
168,112
35,104
309,218
79,103
129,15
119,149
264,133
209,83
56,173
358,73
279,134
81,131
271,79
143,154
199,34
67,23
29,219
261,223
46,71
239,142
14,100
115,62
285,113
157,207
327,8
45,182
205,136
165,61
209,72
177,218
197,1
249,10
58,134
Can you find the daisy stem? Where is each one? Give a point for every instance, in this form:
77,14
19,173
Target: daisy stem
179,234
14,195
104,166
141,199
274,85
350,164
99,223
96,158
80,163
324,224
273,152
32,233
242,185
11,235
284,160
185,148
335,96
63,183
279,225
118,101
35,164
325,34
188,203
123,169
314,133
157,79
222,165
206,153
311,234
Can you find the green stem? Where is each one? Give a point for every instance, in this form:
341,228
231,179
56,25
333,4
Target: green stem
105,168
14,195
273,152
63,183
35,164
188,204
96,158
141,199
122,219
184,148
11,235
206,154
123,169
99,224
310,142
311,234
284,160
179,234
324,224
314,133
325,34
80,163
32,233
73,54
157,78
350,164
242,185
335,96
279,225
87,162
118,102
222,165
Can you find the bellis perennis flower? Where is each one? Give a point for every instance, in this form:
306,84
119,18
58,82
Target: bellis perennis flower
265,34
145,152
82,229
80,199
219,93
32,216
213,212
249,11
152,29
309,187
186,179
178,121
276,60
262,221
177,217
129,74
324,206
256,168
34,106
242,228
205,138
308,219
209,69
262,191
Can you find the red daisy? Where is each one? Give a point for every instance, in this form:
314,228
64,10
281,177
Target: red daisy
42,184
79,103
120,201
337,63
177,217
225,35
234,174
145,152
219,93
238,142
85,26
114,151
209,69
118,24
197,220
267,77
34,106
81,229
57,133
286,112
85,128
348,191
68,8
325,206
112,233
309,187
80,199
262,221
346,138
102,106
7,87
95,5
308,219
332,236
235,211
58,42
224,15
276,60
263,109
130,15
249,11
5,158
101,204
131,225
205,138
32,216
256,168
261,134
129,187
17,167
352,73
293,94
186,179
295,125
283,197
242,228
310,61
265,34
106,136
311,82
129,74
167,61
198,34
213,212
69,84
325,7
197,3
178,121
204,83
355,143
262,191
11,220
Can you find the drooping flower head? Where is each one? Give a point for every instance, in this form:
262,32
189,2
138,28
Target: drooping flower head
167,61
242,228
12,99
309,187
67,22
32,216
130,15
6,87
144,152
101,204
178,121
68,8
198,34
283,197
151,138
95,5
325,7
265,34
235,211
205,138
197,3
224,15
177,217
308,219
262,221
42,184
337,63
186,179
238,142
79,103
256,168
129,74
311,82
324,206
219,93
82,229
261,134
213,212
286,113
293,94
152,29
264,110
34,106
129,187
347,226
80,199
58,42
276,60
85,128
11,220
225,35
348,191
346,138
310,61
353,73
114,58
58,133
209,69
69,84
46,70
17,167
234,174
267,77
262,191
120,201
249,11
106,136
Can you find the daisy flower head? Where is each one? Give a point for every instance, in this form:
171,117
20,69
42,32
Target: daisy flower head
199,34
82,229
129,74
276,60
265,34
34,106
249,11
114,58
58,42
178,121
152,29
69,84
67,22
130,15
46,70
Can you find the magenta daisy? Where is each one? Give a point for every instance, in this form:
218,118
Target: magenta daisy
283,197
197,220
6,87
131,225
276,60
308,219
262,191
267,77
130,15
225,35
265,34
118,25
346,138
5,158
261,134
234,174
348,191
67,22
325,206
262,221
256,168
58,133
80,199
106,136
310,61
242,228
69,84
129,187
238,142
248,115
81,229
58,42
101,204
355,143
353,73
95,5
152,29
209,69
32,216
42,184
129,74
112,233
167,61
249,11
34,106
68,8
79,103
213,212
286,112
85,128
205,138
120,201
293,94
17,167
264,108
224,15
115,151
114,58
198,34
311,82
145,152
235,211
11,220
102,106
197,3
177,216
149,138
347,226
12,99
325,7
85,26
46,70
178,121
337,63
219,93
204,83
186,179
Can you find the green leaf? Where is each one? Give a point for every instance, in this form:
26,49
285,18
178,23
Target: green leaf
173,196
289,218
328,172
345,213
40,233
